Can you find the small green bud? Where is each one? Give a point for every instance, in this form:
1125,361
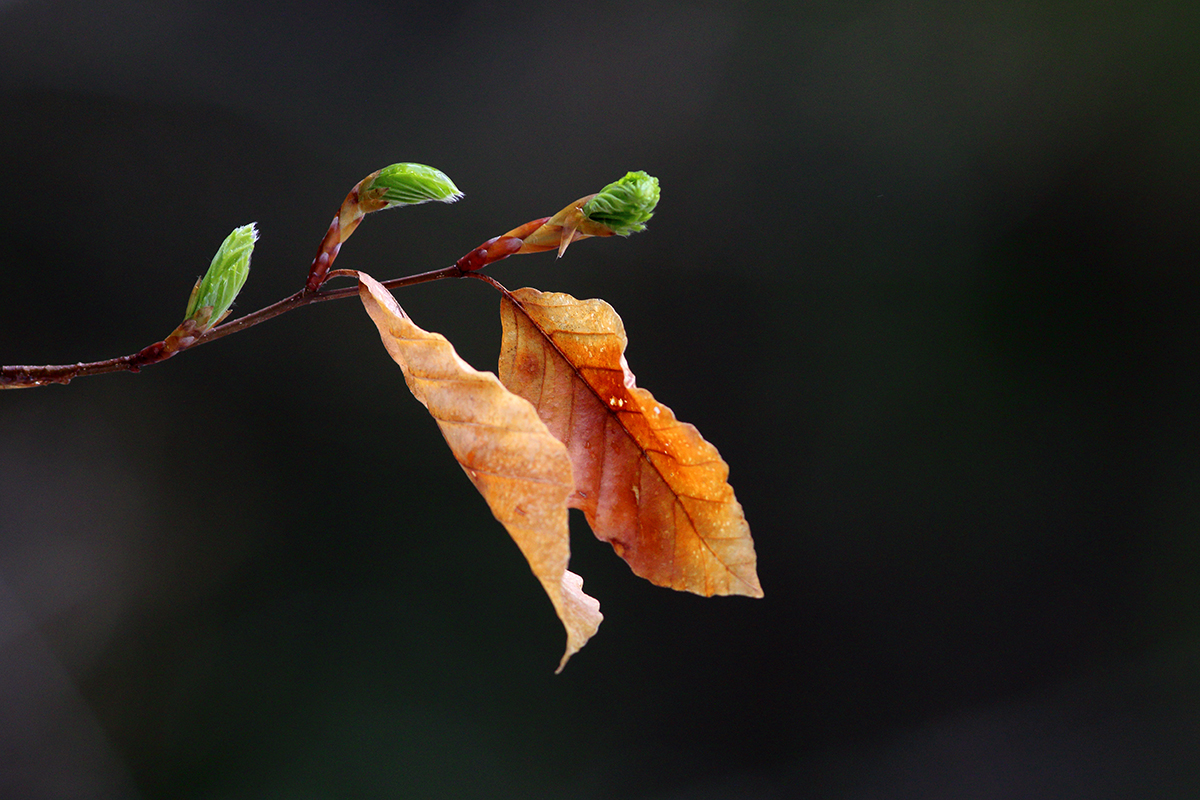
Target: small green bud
408,184
624,206
225,277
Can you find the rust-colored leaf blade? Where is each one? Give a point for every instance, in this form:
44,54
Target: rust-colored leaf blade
522,471
647,483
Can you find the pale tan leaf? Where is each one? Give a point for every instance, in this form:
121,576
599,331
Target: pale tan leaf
647,483
521,470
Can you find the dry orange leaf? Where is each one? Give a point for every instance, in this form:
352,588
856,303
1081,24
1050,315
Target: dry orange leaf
647,483
522,471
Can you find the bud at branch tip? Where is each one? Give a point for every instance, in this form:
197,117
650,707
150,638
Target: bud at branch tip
224,279
625,205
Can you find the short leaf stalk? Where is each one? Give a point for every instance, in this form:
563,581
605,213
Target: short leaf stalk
390,187
619,209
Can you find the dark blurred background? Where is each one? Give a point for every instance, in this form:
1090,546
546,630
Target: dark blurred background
926,273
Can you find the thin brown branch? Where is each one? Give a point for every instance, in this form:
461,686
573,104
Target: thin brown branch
25,377
495,249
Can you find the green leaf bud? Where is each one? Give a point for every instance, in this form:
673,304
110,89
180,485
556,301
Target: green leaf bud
408,184
225,277
624,206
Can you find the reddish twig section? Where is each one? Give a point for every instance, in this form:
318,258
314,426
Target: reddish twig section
353,209
499,247
27,377
537,236
183,337
326,253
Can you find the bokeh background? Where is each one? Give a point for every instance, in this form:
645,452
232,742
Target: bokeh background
926,273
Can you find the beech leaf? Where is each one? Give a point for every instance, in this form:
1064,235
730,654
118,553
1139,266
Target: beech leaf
647,483
522,471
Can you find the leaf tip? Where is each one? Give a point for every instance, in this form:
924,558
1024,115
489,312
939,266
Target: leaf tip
579,613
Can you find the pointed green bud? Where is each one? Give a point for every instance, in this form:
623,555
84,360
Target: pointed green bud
225,277
624,206
407,184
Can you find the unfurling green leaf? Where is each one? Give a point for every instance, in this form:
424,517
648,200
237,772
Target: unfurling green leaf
408,184
225,277
624,206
